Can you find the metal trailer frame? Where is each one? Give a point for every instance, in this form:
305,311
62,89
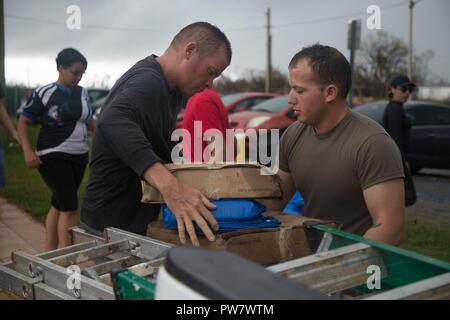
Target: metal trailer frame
121,266
339,268
53,274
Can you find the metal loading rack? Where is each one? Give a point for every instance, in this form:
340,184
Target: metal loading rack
123,265
341,267
53,274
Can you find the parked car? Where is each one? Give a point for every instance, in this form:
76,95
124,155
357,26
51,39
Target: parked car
271,114
97,107
96,94
237,102
429,144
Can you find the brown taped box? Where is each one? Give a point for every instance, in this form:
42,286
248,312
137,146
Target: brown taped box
263,246
221,181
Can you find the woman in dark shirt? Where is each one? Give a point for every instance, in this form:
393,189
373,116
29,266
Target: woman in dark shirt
397,124
395,120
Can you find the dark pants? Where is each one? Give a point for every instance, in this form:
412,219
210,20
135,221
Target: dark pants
63,173
410,189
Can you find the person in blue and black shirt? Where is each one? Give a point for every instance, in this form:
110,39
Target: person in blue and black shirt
62,108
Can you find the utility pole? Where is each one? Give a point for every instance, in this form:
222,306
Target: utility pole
2,46
353,44
269,55
411,6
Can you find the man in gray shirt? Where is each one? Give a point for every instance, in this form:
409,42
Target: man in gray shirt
132,138
347,168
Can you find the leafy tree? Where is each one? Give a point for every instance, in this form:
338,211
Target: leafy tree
382,56
253,80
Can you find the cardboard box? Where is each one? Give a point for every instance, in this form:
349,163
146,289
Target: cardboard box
263,246
221,181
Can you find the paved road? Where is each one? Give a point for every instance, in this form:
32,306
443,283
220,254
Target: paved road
433,193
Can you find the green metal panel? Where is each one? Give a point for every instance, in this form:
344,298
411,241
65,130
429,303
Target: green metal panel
129,286
403,266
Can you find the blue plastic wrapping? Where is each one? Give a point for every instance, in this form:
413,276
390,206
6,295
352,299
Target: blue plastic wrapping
231,215
295,205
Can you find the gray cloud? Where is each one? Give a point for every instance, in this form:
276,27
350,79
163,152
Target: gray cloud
119,32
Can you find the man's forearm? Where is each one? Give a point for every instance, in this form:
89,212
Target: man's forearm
384,233
386,205
22,129
5,120
91,126
159,177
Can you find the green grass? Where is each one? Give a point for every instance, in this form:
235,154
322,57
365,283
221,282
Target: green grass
427,237
25,188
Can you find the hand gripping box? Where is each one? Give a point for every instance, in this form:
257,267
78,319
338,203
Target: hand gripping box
221,181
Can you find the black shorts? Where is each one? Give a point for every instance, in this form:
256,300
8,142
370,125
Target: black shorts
63,172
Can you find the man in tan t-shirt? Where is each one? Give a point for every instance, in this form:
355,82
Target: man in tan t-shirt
347,168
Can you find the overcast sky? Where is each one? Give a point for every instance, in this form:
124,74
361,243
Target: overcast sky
115,34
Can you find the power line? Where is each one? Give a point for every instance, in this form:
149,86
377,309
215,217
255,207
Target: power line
116,28
285,25
347,15
89,26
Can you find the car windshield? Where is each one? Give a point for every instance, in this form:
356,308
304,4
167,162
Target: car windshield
229,98
373,110
96,94
98,103
272,105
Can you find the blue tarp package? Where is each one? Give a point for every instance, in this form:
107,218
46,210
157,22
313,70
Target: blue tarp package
230,215
295,205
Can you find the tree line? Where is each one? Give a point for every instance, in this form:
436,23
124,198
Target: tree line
382,56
